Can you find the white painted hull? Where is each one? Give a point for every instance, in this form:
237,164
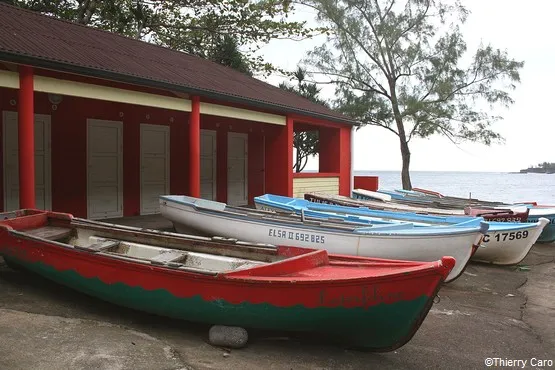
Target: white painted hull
406,247
508,248
498,247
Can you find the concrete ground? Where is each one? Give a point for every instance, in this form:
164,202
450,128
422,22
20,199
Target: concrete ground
489,312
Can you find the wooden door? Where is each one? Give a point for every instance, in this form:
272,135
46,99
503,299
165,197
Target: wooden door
104,169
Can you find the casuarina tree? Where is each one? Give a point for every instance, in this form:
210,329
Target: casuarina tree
403,65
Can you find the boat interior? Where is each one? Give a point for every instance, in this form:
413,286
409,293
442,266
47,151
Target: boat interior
185,252
350,223
384,206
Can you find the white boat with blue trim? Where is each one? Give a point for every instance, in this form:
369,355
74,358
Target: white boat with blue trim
505,243
402,241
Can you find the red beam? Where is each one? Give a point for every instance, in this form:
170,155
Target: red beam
299,119
194,148
26,138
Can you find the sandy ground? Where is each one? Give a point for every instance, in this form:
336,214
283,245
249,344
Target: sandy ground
490,312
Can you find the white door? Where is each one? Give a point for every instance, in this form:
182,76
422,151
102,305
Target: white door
208,152
43,194
155,166
237,168
104,169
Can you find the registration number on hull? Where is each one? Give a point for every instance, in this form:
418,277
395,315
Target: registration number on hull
501,237
298,236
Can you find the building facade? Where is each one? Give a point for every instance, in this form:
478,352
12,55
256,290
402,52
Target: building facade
98,125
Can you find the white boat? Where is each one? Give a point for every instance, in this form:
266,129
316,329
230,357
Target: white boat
400,241
506,243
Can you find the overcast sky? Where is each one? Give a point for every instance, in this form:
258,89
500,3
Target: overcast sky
525,30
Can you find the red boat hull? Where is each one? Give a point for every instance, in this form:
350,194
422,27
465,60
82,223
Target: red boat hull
353,300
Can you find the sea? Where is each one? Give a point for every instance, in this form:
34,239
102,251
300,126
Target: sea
496,186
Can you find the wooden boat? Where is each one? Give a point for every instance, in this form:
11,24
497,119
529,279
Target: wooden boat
373,304
411,198
394,241
548,233
360,200
449,197
534,213
504,243
501,215
419,196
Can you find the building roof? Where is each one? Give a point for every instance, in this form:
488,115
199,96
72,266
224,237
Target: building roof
42,41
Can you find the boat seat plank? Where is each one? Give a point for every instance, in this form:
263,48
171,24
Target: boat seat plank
98,247
50,232
169,256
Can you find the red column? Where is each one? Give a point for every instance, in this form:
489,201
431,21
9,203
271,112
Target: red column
194,148
279,159
344,154
289,133
26,138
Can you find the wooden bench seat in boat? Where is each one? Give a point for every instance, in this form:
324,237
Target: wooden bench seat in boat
99,246
50,232
166,257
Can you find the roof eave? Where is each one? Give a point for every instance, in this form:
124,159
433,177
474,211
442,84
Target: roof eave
124,78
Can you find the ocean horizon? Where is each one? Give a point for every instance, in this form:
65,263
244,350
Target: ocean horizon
498,186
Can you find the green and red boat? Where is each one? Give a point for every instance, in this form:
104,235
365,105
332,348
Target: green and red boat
372,304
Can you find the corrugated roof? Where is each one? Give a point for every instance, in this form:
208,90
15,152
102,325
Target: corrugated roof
43,41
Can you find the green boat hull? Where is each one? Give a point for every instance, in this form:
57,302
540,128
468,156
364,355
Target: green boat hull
382,327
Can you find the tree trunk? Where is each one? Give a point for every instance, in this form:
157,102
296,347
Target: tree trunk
303,165
297,161
405,152
405,174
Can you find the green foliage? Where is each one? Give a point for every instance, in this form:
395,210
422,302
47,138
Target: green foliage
226,52
196,26
398,64
305,142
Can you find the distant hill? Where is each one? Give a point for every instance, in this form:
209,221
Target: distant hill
545,167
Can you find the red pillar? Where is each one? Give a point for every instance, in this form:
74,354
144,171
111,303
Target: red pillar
345,147
26,138
279,159
194,148
289,165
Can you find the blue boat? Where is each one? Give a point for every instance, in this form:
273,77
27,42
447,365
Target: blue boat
505,243
536,213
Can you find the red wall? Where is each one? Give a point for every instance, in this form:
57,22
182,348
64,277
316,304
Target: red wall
366,182
335,155
69,143
269,159
256,132
279,160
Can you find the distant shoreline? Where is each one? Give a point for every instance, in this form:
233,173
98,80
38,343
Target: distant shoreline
370,172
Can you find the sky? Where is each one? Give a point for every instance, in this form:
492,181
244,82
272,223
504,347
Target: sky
525,30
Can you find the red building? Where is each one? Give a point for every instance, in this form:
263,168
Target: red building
99,125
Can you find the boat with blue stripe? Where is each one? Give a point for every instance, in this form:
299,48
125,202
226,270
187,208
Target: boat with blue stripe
504,243
342,235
